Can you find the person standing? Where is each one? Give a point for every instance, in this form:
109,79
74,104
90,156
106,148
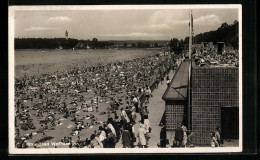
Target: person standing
124,116
163,136
168,82
157,82
111,127
146,120
147,93
218,137
145,112
102,136
111,139
189,138
135,101
214,142
130,128
178,135
112,104
128,113
141,110
126,137
141,136
162,79
115,126
133,115
184,141
97,108
167,77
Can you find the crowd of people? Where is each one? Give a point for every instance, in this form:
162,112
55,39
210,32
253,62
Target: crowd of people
182,137
209,56
216,138
83,96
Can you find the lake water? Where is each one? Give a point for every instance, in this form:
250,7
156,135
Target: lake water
36,61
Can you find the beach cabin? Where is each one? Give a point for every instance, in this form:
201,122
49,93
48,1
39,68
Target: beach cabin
176,101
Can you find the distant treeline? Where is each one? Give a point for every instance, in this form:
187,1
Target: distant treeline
177,46
226,33
52,43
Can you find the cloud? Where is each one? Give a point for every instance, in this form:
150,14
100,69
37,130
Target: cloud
169,17
59,19
164,21
160,26
207,20
39,28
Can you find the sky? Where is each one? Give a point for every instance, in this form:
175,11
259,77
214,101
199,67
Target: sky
136,24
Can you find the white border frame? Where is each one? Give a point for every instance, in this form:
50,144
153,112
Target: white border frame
11,71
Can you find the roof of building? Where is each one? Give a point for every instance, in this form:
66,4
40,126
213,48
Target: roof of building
179,84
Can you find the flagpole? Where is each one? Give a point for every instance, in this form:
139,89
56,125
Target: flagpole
189,88
190,38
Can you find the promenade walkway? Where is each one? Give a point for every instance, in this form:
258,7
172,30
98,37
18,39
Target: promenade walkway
156,108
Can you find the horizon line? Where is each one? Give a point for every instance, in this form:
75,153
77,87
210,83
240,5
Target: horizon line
98,39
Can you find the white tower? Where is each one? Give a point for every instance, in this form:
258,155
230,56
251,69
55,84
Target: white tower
66,35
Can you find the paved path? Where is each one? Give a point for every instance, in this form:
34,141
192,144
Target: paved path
156,108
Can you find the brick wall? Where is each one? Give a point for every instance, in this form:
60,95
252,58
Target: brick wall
173,115
212,88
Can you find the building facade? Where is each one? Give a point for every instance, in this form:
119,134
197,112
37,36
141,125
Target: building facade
215,102
176,101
